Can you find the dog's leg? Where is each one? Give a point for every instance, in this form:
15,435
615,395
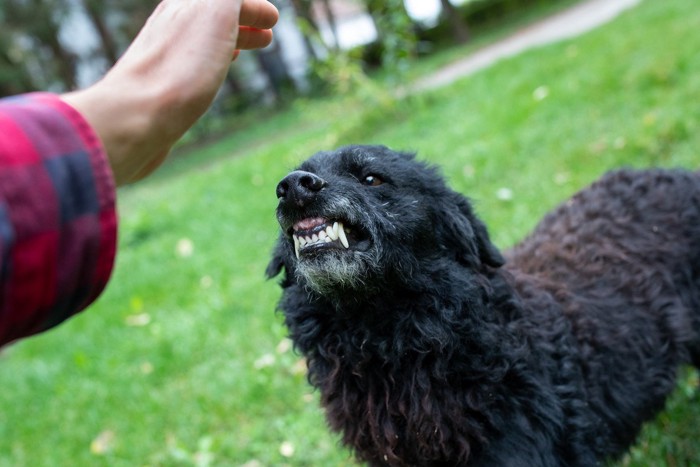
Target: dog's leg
523,445
516,450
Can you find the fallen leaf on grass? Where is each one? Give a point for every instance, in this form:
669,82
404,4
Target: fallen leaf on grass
138,320
287,449
103,443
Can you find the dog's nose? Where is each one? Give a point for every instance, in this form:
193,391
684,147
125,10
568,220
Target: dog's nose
300,187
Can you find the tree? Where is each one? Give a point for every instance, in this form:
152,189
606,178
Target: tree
307,25
14,77
303,11
395,29
460,29
332,23
97,11
133,14
38,22
273,66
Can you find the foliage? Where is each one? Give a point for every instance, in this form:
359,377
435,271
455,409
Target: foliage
183,361
397,35
34,54
30,41
14,78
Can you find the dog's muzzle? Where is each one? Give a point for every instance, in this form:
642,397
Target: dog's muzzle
297,190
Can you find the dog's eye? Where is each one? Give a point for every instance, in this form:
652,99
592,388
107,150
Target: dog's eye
372,180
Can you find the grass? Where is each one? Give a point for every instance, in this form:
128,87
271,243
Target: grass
183,361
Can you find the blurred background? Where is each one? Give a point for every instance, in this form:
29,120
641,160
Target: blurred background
59,45
184,361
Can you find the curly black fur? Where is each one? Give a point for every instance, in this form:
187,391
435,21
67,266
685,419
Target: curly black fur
429,348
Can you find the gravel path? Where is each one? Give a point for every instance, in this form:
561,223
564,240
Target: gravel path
569,23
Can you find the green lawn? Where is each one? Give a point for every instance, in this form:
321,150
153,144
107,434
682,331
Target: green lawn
183,360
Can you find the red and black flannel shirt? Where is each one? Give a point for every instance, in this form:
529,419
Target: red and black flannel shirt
58,219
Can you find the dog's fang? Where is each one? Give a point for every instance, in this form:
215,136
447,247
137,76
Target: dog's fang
335,230
296,245
342,237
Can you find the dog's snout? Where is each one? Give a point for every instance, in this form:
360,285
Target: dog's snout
300,186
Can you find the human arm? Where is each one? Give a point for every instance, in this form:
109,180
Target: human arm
60,157
165,81
57,215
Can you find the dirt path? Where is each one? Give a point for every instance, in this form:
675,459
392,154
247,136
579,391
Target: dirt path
574,21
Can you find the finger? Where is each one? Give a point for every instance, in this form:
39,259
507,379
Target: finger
259,14
251,38
236,53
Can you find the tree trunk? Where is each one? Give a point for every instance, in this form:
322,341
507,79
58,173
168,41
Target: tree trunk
306,25
272,64
234,84
302,8
65,61
460,29
109,46
332,23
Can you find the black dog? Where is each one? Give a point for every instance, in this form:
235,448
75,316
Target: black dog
429,348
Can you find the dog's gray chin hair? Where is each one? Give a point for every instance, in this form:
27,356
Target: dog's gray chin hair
328,273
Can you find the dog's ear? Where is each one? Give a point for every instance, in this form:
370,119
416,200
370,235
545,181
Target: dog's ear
274,267
468,234
277,263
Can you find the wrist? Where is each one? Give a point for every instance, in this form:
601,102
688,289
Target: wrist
125,121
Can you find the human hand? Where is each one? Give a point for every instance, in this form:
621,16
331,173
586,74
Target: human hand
168,78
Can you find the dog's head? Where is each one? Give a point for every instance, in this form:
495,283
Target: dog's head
359,217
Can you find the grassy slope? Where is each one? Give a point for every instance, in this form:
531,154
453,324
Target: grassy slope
183,361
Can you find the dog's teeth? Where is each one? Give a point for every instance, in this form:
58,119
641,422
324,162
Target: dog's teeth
342,237
330,234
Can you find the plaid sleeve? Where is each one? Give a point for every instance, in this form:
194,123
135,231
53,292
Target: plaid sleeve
58,219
